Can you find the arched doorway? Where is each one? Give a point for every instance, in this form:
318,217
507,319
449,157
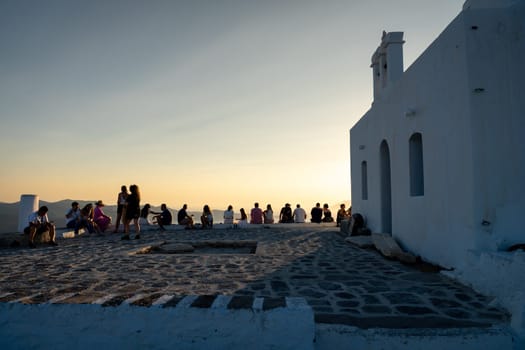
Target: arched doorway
386,189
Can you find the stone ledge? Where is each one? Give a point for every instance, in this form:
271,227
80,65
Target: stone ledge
385,244
14,240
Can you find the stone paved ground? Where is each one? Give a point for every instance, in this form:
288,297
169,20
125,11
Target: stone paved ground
343,284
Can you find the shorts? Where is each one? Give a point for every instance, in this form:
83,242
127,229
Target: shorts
185,221
131,214
120,208
39,230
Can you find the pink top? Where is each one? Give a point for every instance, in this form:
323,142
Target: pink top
98,213
256,216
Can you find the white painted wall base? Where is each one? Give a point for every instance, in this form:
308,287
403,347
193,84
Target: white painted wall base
499,274
89,326
345,337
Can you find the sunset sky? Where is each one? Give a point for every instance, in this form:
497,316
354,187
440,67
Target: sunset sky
198,102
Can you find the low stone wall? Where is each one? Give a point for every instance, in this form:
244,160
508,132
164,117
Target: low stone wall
13,240
218,322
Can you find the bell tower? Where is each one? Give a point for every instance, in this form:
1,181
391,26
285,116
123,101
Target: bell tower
387,62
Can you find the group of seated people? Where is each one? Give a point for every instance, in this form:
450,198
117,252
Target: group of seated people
162,218
317,214
93,219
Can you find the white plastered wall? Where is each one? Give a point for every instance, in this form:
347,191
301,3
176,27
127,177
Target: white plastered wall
473,169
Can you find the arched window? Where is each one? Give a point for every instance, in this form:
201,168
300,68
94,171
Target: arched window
417,179
364,181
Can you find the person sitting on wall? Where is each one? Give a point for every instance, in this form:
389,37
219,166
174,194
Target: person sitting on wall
327,214
299,214
38,223
86,220
183,218
228,215
256,214
342,214
100,218
144,215
206,217
242,222
285,216
163,218
73,215
268,214
316,213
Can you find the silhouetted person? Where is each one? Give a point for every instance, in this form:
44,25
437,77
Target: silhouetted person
163,218
316,213
285,216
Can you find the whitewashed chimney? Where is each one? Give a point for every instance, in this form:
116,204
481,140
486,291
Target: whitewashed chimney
387,62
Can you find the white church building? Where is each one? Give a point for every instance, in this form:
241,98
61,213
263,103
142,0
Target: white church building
438,161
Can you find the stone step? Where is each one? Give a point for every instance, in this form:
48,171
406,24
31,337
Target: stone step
388,246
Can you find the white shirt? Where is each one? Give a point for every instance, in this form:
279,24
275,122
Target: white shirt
268,216
228,217
122,198
299,215
34,218
75,214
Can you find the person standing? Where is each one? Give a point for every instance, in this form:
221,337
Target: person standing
316,213
38,224
299,214
132,212
256,215
121,206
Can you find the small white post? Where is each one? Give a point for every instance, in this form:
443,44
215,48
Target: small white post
28,205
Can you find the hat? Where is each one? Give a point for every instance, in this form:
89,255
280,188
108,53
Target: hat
99,203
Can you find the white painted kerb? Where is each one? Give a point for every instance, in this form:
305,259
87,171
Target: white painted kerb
90,326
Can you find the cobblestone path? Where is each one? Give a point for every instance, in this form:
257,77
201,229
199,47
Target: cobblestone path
342,283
